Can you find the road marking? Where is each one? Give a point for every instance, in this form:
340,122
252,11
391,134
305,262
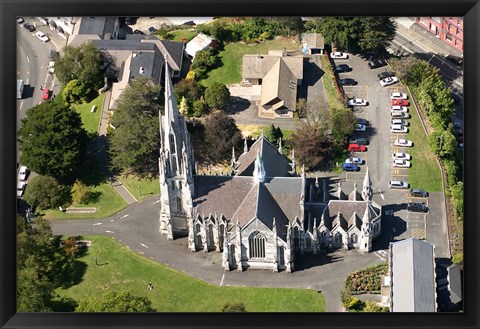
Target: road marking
28,60
151,257
109,232
97,224
28,79
383,198
143,245
223,277
124,216
111,220
156,201
21,104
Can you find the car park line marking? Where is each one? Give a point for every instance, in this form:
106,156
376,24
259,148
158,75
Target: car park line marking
111,220
143,245
381,194
21,104
124,216
28,60
223,277
109,232
97,224
156,201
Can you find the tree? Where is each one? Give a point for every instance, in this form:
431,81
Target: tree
376,33
217,96
52,140
272,135
188,88
82,63
183,107
33,295
135,142
199,107
342,125
371,306
301,107
80,192
204,61
234,307
116,301
45,192
221,133
312,146
75,92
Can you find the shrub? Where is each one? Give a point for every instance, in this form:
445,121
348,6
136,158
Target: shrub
234,307
80,192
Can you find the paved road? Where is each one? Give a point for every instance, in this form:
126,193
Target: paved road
138,225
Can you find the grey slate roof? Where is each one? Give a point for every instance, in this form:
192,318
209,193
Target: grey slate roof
276,164
413,276
98,25
347,209
455,283
286,191
314,40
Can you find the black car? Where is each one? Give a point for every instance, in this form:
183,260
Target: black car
347,82
342,68
375,63
358,140
417,207
138,32
455,60
418,193
363,121
29,27
386,74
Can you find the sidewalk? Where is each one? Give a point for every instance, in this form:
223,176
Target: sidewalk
407,28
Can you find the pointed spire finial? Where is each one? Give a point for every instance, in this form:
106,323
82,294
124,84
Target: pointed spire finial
259,171
245,146
317,185
280,148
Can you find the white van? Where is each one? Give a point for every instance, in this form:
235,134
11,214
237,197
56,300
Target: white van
19,88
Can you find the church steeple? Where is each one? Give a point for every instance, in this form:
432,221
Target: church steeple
259,172
367,187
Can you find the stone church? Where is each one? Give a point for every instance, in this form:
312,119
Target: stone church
263,212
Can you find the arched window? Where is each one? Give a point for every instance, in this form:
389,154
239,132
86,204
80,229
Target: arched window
323,233
338,237
308,243
211,241
198,235
354,238
178,205
256,243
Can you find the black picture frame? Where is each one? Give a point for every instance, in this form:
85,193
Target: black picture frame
469,9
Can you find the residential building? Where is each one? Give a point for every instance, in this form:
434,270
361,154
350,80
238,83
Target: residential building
200,42
313,44
88,28
448,29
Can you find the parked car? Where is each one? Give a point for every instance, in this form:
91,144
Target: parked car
417,207
29,27
384,75
342,68
23,173
355,160
51,67
21,188
20,20
401,102
375,63
398,108
399,115
388,81
398,129
360,127
400,122
42,36
356,148
418,193
358,140
401,163
350,167
401,156
338,55
138,32
357,102
363,121
347,82
398,184
398,96
455,60
45,94
403,142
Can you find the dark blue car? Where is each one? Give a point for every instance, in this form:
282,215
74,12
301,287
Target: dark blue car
350,167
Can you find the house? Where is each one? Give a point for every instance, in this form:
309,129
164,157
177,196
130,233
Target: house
261,212
94,28
411,283
279,73
313,44
200,42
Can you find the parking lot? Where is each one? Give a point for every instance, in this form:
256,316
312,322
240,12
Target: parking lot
398,223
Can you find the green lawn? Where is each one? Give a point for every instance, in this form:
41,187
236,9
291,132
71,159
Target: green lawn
333,99
424,173
255,131
90,120
109,203
187,34
141,188
231,57
175,291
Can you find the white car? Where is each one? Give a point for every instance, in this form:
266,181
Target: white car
399,115
42,36
401,163
400,122
401,156
388,81
22,174
360,127
403,142
338,55
51,67
20,188
357,102
354,160
398,184
398,96
398,108
398,129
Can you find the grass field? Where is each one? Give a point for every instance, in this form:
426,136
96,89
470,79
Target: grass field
333,99
424,173
187,34
174,291
231,57
141,188
90,120
256,131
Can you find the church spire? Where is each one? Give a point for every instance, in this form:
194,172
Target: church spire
259,172
367,187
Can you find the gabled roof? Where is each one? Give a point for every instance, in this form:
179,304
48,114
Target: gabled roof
275,164
97,25
347,208
279,86
314,40
200,42
256,66
286,191
413,276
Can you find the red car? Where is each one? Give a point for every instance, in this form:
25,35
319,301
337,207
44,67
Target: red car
356,148
45,94
400,102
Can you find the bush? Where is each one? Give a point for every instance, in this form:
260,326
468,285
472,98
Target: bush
371,306
217,96
234,307
366,280
458,258
75,92
80,192
355,304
